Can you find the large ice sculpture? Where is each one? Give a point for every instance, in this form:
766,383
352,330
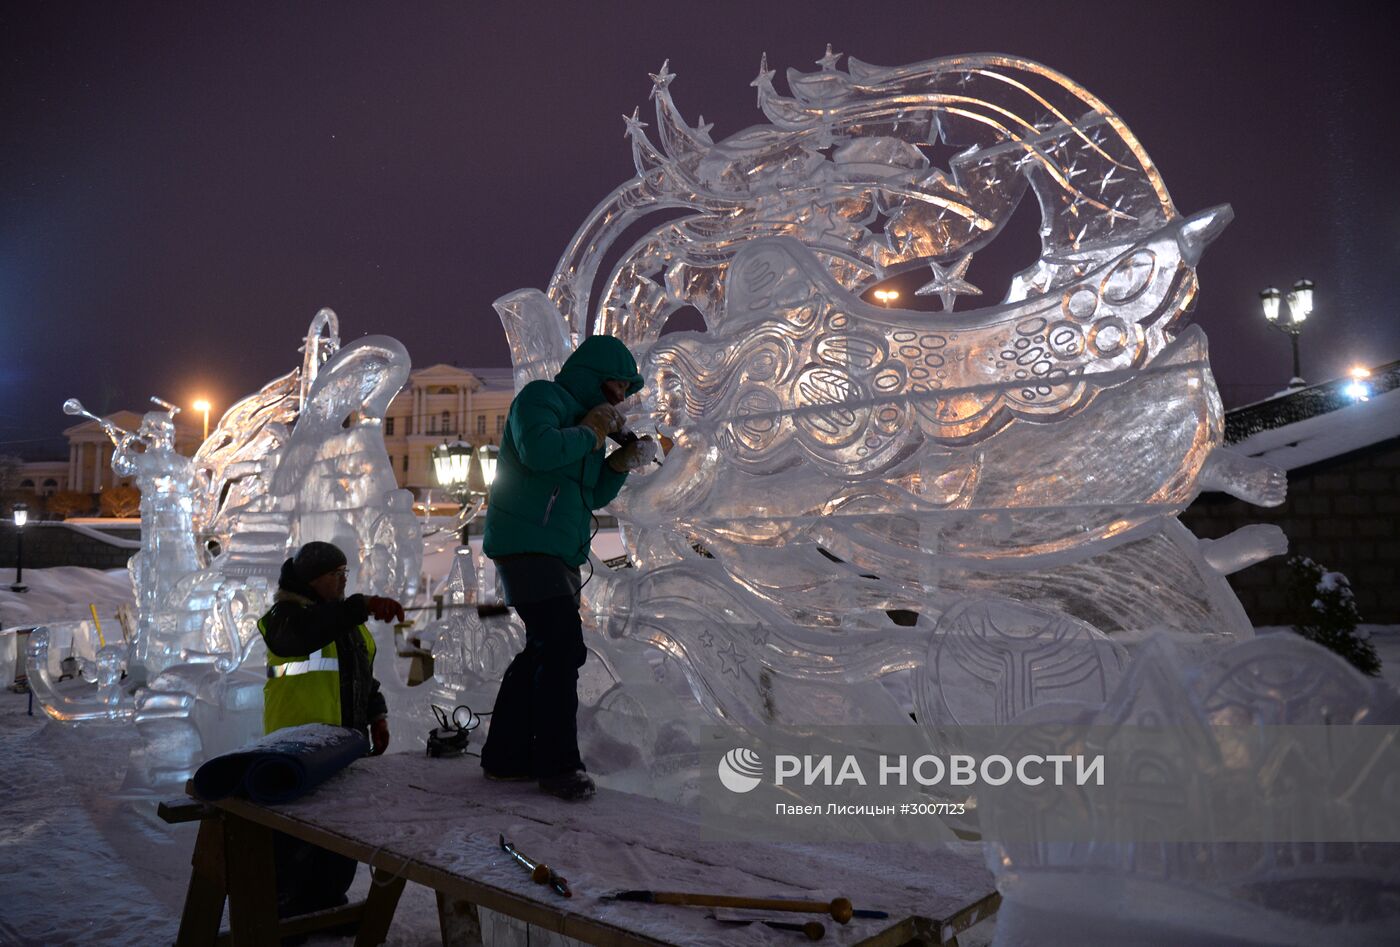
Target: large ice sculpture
301,459
880,490
1125,888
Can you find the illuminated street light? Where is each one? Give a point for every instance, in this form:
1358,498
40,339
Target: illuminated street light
1359,389
886,296
1300,306
466,474
21,514
203,406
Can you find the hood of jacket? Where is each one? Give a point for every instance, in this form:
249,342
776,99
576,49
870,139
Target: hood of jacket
598,359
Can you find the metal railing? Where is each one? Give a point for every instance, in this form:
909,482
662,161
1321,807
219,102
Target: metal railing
1245,422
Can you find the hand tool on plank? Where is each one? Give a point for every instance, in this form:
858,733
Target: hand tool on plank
839,909
539,873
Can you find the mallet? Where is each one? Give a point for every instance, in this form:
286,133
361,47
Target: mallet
839,908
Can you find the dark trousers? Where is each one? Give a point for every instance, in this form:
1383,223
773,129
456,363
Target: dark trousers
533,728
309,878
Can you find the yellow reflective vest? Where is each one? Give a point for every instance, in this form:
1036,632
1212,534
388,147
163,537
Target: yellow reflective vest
305,688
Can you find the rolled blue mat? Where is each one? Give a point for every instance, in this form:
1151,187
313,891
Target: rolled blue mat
282,766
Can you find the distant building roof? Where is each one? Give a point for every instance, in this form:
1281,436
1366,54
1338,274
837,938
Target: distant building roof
495,378
1319,422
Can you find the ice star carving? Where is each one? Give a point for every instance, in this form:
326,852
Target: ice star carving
702,128
764,79
661,79
634,123
707,639
730,659
1025,159
948,283
828,62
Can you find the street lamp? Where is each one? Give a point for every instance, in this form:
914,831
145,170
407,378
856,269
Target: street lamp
886,296
466,474
202,405
1300,306
21,513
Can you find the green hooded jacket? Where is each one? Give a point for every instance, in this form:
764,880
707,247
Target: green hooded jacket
549,475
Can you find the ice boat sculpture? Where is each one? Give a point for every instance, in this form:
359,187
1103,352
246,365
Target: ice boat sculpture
984,498
301,459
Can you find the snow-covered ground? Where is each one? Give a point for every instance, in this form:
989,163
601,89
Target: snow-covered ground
80,867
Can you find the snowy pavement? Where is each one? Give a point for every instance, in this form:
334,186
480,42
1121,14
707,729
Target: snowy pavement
80,867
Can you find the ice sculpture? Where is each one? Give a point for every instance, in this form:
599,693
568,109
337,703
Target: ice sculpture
984,498
301,459
166,481
1203,892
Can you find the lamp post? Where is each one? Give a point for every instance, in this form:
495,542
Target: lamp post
886,296
203,406
1300,306
466,474
21,513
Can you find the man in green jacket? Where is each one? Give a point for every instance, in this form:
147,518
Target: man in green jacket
551,475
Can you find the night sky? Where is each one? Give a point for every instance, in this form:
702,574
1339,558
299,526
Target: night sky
183,185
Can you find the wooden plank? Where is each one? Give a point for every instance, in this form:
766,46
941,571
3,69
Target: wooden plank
437,822
252,884
459,922
175,811
456,886
384,891
970,915
204,898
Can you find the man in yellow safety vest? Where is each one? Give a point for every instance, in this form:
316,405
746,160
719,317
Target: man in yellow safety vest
320,669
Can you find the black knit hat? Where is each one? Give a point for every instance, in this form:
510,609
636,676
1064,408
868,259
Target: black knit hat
315,559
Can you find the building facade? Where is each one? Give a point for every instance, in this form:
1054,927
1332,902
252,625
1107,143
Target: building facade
440,404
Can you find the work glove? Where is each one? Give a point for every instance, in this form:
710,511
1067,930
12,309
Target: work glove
379,733
638,453
603,419
383,609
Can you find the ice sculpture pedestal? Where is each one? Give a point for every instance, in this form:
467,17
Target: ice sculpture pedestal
444,830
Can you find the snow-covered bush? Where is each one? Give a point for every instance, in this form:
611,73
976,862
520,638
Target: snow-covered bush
1328,613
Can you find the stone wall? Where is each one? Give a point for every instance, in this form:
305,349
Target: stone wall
53,544
1342,513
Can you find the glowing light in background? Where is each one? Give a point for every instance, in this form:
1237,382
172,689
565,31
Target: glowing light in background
1359,389
203,407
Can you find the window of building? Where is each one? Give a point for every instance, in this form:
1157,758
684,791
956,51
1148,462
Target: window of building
405,463
50,487
26,484
432,425
447,422
481,424
500,424
388,427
